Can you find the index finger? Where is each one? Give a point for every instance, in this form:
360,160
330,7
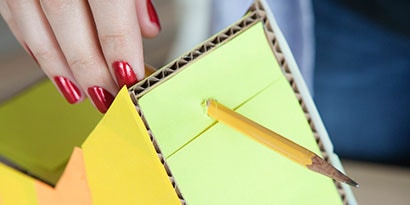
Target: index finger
119,33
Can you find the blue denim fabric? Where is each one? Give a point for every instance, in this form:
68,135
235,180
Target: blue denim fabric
362,83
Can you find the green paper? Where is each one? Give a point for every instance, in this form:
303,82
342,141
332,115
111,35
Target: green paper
214,164
174,106
38,130
227,167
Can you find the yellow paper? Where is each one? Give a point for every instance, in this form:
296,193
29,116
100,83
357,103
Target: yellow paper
39,129
121,167
121,163
16,188
72,187
214,164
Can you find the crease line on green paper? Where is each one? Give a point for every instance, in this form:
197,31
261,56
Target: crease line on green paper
215,122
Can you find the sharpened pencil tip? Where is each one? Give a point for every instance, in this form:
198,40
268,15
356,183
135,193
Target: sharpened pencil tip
352,183
321,166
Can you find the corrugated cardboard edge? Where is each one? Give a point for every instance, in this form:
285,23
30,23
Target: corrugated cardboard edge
160,155
259,11
292,73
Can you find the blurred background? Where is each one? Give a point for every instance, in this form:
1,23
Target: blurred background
361,80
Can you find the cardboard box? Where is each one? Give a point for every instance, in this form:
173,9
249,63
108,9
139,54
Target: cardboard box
162,148
257,14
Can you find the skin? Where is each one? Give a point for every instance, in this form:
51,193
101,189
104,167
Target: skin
79,40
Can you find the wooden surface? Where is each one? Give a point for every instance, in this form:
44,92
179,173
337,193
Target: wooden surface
379,184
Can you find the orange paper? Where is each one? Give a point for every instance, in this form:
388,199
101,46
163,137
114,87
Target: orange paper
72,187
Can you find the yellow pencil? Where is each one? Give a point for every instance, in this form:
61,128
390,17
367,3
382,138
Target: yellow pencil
275,141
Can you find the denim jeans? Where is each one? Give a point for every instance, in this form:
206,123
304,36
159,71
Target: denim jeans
362,82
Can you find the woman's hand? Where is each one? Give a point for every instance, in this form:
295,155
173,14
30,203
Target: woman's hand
87,48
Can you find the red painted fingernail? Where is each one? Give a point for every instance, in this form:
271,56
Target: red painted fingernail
152,13
31,53
102,99
68,89
124,73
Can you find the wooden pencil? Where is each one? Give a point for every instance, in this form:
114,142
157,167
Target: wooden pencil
275,141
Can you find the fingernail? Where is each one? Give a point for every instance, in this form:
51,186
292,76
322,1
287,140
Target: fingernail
152,13
71,92
31,53
102,99
124,74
